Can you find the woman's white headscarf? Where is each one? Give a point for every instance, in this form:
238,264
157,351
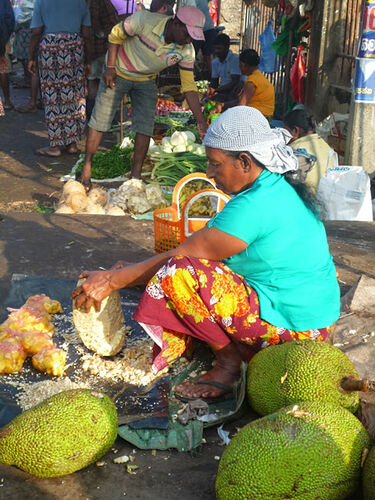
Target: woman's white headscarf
245,129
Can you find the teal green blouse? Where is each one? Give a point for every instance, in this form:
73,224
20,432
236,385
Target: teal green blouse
287,260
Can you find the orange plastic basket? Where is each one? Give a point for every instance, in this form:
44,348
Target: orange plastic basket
172,226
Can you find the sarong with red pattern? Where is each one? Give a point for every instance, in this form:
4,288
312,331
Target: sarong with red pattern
190,297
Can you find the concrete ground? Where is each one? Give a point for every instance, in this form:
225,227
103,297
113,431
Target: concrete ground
62,246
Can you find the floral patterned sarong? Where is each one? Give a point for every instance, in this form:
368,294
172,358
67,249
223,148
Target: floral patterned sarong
190,297
62,84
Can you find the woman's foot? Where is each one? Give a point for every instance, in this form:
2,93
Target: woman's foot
72,148
194,390
8,105
49,151
226,371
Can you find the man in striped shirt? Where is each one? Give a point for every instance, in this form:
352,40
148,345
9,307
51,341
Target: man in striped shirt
139,48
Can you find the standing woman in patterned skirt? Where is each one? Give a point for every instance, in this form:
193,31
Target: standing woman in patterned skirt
60,30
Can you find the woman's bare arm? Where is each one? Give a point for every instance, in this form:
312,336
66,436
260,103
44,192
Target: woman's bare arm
208,243
246,94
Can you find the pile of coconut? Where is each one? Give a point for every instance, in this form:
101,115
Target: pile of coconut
74,200
133,196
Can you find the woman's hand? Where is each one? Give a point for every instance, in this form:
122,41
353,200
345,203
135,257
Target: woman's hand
31,66
110,77
94,290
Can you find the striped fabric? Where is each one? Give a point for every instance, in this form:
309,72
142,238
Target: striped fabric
144,52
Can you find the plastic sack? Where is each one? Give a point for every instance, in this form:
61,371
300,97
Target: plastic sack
334,125
268,55
213,12
345,194
297,73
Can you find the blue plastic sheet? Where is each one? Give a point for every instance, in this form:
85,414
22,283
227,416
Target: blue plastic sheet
136,405
268,56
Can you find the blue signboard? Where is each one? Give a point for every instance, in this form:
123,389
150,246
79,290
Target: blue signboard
364,78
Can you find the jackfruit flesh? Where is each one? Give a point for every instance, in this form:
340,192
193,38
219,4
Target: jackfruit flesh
310,452
50,360
12,356
60,435
302,370
31,329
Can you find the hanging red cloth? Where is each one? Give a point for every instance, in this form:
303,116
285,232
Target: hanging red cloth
213,12
297,73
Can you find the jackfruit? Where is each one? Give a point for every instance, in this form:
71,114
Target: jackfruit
368,476
308,452
102,332
60,435
302,370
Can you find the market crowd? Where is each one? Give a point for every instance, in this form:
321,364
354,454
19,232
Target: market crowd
84,56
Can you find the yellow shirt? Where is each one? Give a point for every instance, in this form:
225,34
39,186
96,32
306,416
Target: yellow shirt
316,146
263,98
143,51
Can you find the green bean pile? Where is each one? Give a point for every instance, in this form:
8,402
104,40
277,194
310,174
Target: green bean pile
171,167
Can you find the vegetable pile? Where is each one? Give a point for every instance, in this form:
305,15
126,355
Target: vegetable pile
179,142
171,167
202,207
164,107
109,164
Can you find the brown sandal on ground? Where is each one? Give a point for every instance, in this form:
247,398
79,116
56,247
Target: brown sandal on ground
27,109
47,152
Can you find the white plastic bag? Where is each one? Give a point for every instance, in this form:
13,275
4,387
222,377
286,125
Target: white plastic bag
344,193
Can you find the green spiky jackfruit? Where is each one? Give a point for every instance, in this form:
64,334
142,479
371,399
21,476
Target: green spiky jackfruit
310,452
60,435
302,370
368,476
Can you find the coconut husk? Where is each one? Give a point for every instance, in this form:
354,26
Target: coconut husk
64,209
113,210
73,186
94,209
77,201
98,196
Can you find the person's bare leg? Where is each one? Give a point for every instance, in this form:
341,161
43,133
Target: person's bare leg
92,90
4,82
92,144
226,371
141,145
34,87
31,107
26,74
